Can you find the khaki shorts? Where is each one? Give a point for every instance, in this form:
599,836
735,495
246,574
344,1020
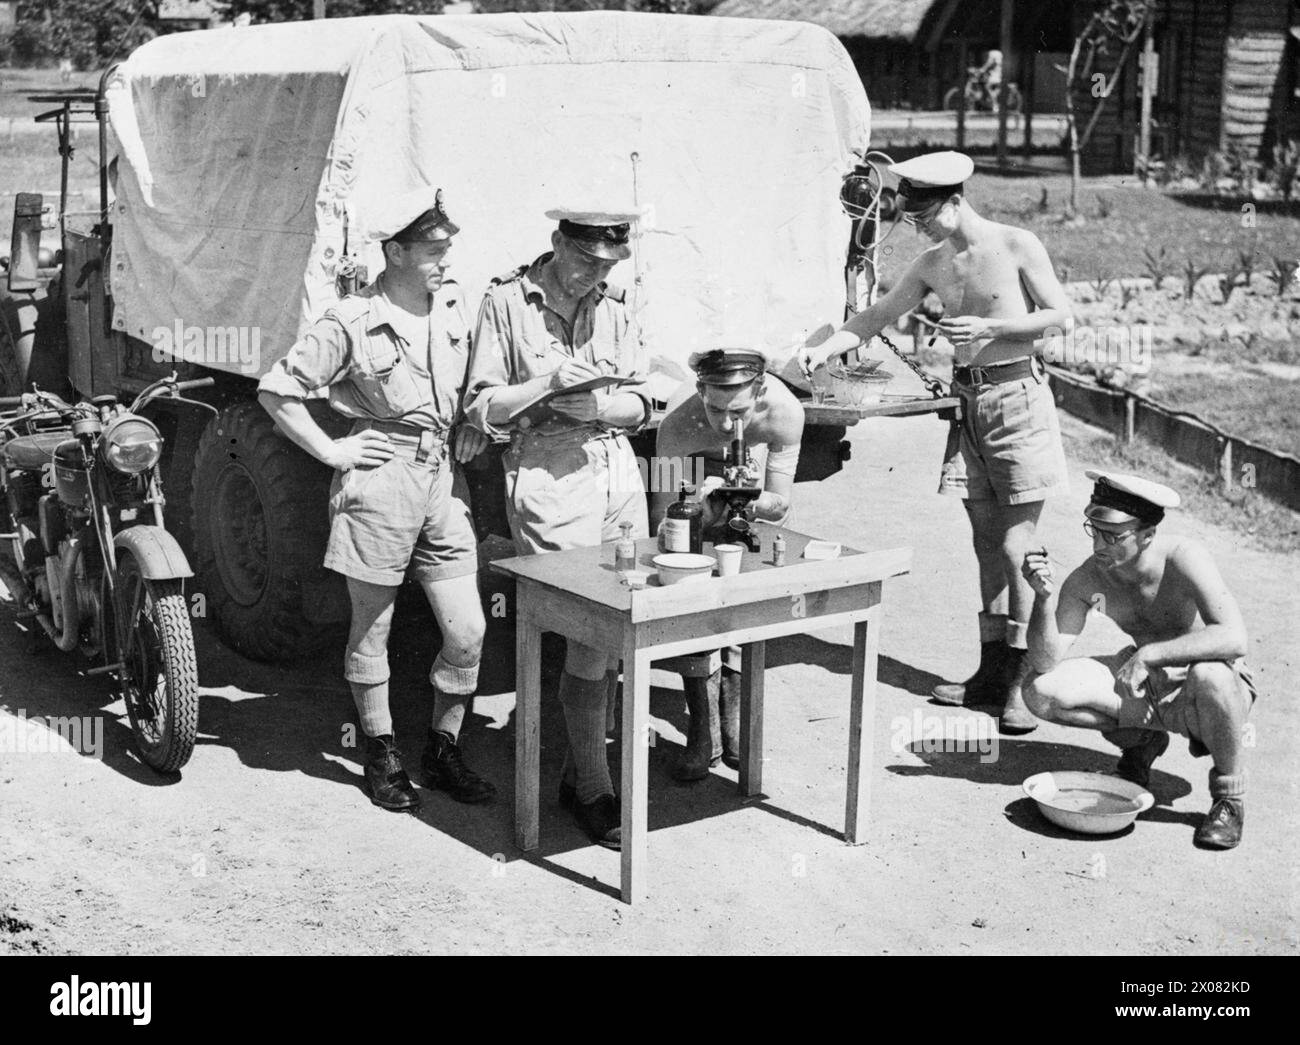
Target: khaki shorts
572,490
402,518
1007,446
1163,704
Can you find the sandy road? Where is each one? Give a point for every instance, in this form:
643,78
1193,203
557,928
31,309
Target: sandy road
266,844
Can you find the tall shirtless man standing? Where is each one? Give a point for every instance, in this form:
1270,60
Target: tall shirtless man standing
998,286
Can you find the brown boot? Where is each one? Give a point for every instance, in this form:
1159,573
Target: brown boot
1015,717
703,740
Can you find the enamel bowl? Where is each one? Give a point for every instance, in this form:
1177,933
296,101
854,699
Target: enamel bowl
680,567
1090,803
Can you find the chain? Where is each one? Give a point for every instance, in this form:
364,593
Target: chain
932,384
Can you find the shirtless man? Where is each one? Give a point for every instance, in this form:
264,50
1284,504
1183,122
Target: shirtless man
1184,675
1005,456
731,388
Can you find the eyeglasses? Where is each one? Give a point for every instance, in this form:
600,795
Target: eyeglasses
1108,537
917,217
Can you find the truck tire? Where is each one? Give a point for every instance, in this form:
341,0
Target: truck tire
260,509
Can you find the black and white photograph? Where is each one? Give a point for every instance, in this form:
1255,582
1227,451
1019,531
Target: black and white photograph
651,477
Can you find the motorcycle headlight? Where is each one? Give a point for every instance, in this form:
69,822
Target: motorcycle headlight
132,445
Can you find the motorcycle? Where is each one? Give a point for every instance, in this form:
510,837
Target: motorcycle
91,559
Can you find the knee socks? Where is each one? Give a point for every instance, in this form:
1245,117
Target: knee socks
584,718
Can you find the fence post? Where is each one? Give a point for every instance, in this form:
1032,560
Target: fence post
1130,418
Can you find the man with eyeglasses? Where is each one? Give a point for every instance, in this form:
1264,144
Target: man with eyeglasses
1005,457
1185,672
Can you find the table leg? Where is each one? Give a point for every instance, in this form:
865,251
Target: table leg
528,718
862,717
753,661
636,770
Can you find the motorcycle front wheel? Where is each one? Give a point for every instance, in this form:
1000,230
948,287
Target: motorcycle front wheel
159,674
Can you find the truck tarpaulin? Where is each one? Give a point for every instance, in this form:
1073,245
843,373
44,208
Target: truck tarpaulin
249,159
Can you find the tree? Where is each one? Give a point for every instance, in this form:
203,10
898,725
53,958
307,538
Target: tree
301,10
1113,23
676,7
88,32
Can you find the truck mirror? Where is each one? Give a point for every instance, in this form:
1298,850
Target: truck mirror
24,250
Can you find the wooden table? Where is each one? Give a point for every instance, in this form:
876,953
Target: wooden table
578,594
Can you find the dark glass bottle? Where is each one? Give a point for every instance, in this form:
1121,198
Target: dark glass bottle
683,525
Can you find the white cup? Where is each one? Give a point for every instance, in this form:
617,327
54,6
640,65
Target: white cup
728,559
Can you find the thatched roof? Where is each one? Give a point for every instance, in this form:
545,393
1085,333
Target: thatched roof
877,19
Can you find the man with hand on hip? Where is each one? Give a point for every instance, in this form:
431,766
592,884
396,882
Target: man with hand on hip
393,358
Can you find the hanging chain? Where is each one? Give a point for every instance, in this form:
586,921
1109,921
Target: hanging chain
932,384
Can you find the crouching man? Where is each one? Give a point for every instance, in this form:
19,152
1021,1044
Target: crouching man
731,389
1185,672
394,359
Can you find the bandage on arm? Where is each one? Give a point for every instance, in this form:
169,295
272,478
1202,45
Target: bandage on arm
779,467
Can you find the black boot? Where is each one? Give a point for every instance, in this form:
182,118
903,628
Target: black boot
1140,747
386,781
986,687
1221,828
729,717
444,768
602,820
703,740
1016,718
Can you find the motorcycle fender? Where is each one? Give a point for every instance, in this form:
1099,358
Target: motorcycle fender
157,551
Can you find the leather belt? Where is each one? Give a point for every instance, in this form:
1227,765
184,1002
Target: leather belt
997,373
421,443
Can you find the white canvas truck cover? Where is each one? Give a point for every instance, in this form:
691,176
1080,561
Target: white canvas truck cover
245,155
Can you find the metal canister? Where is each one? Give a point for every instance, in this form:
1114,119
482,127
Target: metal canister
778,551
683,525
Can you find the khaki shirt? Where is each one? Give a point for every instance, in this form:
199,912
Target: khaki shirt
381,363
519,337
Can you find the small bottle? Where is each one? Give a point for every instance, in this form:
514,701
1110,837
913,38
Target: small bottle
682,525
778,551
625,550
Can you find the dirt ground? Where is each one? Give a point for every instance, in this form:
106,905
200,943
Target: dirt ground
266,844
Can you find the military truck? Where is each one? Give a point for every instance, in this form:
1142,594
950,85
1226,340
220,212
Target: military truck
239,167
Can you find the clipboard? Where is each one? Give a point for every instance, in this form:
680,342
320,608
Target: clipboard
539,402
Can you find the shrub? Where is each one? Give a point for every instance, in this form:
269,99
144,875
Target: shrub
1156,264
1286,165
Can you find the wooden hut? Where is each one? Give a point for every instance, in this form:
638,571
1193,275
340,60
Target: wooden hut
1225,78
909,53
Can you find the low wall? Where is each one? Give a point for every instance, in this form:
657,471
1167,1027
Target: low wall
1184,436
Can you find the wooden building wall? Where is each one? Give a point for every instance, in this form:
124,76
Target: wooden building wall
1225,79
1257,88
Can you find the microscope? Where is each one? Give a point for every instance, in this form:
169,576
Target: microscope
740,488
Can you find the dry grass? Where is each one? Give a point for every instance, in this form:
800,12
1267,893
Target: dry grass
1261,522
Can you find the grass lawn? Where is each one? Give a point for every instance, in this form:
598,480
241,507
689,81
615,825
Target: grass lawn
1260,521
1137,218
1254,406
16,84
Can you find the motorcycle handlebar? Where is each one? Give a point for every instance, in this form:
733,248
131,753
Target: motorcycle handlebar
7,401
200,382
